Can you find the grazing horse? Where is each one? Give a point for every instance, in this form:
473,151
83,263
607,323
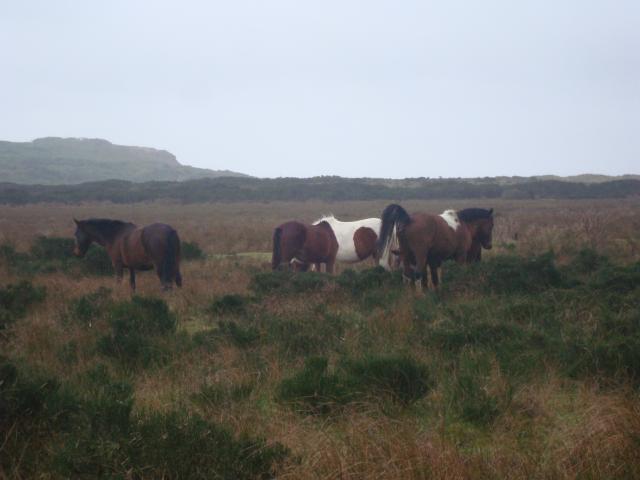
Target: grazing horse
136,248
426,239
305,245
357,240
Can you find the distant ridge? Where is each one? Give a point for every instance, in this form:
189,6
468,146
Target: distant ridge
65,161
241,189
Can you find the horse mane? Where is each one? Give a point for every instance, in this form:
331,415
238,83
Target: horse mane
471,214
106,228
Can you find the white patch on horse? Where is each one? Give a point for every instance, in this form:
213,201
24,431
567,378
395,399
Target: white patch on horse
344,232
451,217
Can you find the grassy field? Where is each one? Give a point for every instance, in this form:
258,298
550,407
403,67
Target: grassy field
524,366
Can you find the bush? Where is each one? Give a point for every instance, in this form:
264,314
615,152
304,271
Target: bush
135,328
229,305
175,445
88,308
15,299
506,274
283,282
398,376
374,378
242,337
314,390
191,251
55,254
468,389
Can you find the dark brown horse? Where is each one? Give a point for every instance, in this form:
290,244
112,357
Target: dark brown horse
426,239
305,245
136,248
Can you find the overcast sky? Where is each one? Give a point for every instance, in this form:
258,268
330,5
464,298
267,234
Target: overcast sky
352,88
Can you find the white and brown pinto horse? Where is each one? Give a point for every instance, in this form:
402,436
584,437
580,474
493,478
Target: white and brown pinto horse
357,241
426,239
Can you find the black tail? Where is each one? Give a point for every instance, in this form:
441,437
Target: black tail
171,261
392,216
276,257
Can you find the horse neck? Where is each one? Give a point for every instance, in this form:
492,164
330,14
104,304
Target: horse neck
472,228
107,239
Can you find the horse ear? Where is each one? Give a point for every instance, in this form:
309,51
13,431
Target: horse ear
491,211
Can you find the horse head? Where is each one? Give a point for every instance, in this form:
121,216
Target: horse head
484,232
83,239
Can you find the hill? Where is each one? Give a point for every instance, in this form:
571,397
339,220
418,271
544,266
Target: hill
57,161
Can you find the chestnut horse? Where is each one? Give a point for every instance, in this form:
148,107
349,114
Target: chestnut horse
136,248
426,239
305,245
357,240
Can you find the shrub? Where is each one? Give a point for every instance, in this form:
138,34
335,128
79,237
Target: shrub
135,327
241,336
96,262
398,376
90,307
175,445
314,390
229,305
284,282
216,394
506,274
15,299
468,390
374,378
55,254
191,251
207,339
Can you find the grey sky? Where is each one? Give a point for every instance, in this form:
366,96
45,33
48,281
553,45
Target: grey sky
351,88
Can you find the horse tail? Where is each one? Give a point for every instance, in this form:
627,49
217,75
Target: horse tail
394,218
171,261
276,257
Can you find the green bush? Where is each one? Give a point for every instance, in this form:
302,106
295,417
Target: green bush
375,378
505,274
216,395
175,445
15,299
207,339
55,254
135,328
285,282
242,337
467,389
399,377
229,305
314,390
191,251
87,309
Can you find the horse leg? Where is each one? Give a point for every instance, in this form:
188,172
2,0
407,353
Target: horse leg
435,276
330,266
421,270
132,279
178,278
119,271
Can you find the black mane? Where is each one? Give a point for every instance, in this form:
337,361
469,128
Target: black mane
471,214
105,227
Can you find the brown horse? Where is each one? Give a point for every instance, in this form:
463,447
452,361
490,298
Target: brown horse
426,239
305,245
136,248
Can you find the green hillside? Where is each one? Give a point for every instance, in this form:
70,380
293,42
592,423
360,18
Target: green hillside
52,161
